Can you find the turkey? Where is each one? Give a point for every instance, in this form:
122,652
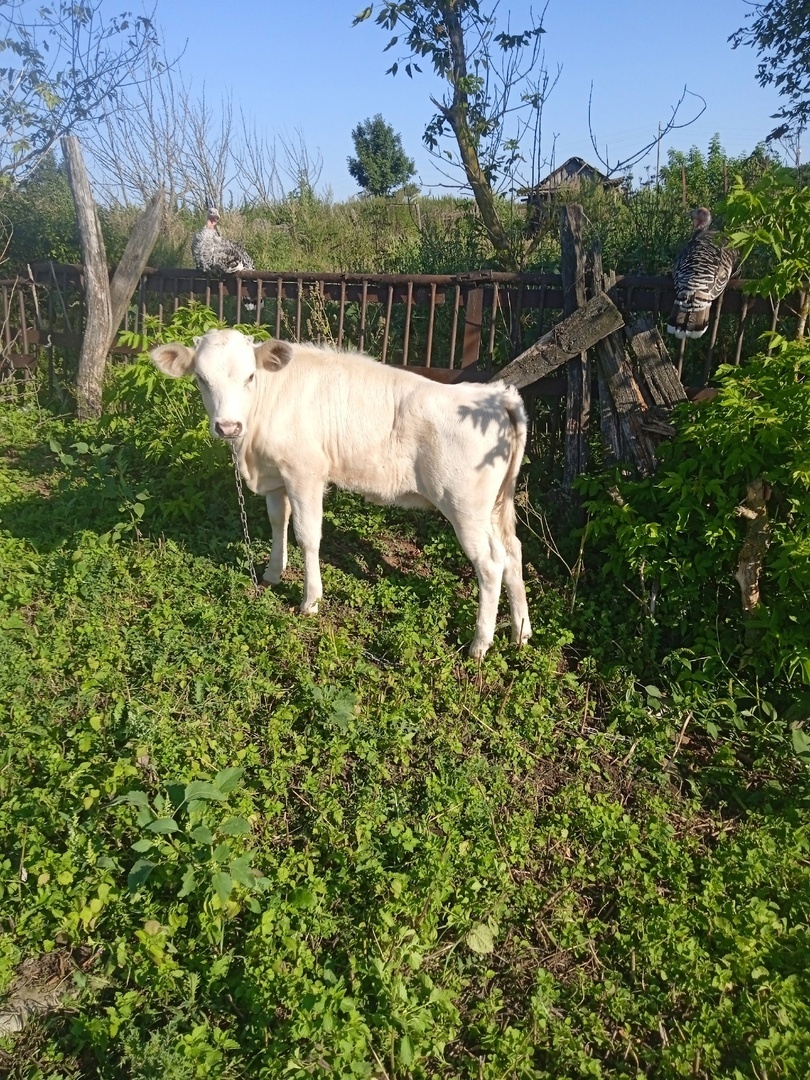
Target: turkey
700,272
214,255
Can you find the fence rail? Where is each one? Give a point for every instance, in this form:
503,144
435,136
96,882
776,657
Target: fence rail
447,327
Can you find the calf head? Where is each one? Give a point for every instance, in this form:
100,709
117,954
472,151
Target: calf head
224,363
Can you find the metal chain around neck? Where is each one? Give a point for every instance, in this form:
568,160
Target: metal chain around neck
254,577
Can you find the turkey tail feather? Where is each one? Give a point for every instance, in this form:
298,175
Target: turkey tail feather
686,323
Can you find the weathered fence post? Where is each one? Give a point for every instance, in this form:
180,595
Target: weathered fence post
578,397
608,420
473,322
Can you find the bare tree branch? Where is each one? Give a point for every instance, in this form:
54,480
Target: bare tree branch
209,163
671,125
145,146
303,168
256,160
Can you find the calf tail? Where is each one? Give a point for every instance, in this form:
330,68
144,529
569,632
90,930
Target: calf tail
504,512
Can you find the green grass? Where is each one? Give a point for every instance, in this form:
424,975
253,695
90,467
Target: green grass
399,863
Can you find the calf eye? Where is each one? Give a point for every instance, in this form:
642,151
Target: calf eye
201,381
250,378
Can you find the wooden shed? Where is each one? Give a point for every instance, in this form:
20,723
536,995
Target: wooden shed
569,176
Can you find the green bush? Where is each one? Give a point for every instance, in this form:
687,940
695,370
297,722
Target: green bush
41,218
670,545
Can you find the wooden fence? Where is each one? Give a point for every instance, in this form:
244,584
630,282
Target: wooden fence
448,327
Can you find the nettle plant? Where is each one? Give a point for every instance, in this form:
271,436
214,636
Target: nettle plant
670,544
109,466
166,415
189,845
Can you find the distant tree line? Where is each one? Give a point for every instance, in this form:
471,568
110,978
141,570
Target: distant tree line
640,230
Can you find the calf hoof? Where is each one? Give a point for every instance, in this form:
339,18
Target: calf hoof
309,609
478,648
521,636
271,577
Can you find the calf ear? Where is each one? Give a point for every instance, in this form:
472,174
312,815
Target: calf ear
174,360
273,354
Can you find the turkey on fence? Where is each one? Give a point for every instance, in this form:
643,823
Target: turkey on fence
700,272
214,254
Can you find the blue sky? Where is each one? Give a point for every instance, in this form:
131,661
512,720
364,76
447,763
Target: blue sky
301,66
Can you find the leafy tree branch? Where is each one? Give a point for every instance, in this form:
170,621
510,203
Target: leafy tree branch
65,68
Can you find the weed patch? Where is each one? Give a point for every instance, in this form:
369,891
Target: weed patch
258,844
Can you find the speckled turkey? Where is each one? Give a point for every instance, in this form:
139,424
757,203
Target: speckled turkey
214,254
700,272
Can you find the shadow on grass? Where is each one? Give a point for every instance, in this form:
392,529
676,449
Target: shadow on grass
200,514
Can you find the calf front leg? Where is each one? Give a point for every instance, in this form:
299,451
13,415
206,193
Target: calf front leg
307,515
278,511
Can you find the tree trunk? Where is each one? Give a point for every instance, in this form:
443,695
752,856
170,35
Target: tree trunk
97,333
133,261
106,302
481,188
755,546
458,117
804,312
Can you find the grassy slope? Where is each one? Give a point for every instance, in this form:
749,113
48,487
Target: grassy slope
464,872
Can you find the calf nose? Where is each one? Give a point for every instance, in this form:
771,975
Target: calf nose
228,429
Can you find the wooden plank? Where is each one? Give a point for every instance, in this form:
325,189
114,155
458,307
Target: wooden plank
629,403
633,410
608,423
454,331
617,370
473,321
573,335
612,449
654,362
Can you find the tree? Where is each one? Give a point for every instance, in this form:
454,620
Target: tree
41,217
780,32
704,180
106,301
148,143
497,86
66,67
484,67
381,164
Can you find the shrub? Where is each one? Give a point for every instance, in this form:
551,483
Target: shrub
672,542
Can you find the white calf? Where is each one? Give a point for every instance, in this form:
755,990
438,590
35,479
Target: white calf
302,417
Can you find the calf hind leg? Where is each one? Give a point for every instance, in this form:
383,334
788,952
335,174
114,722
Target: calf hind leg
488,556
516,591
